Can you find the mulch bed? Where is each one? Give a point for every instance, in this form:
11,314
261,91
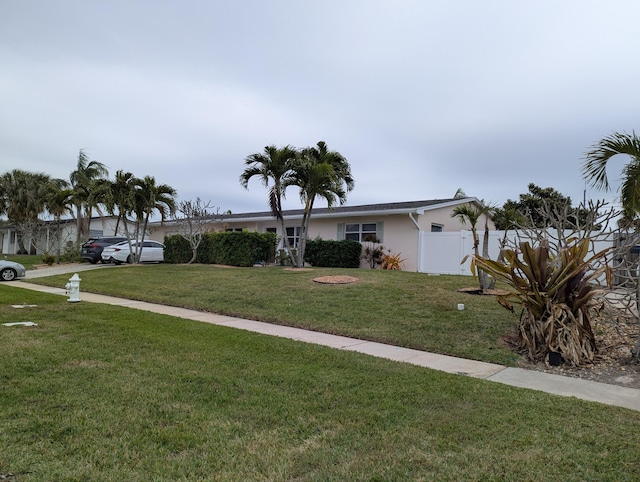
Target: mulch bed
335,280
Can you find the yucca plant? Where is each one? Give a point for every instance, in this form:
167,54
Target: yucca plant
556,293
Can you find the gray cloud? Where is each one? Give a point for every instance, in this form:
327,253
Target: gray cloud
421,97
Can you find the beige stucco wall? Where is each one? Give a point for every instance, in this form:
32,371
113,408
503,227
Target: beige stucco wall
400,234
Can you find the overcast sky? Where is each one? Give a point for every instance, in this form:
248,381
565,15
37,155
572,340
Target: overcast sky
422,97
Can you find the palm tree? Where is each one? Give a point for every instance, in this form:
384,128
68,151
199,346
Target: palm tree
149,198
469,214
319,172
87,177
58,203
24,196
594,169
274,165
118,198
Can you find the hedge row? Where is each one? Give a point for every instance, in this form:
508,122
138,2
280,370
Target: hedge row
233,248
333,254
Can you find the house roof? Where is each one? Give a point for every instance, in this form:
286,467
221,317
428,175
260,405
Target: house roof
362,210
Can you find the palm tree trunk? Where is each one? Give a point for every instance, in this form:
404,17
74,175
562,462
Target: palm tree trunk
304,227
59,240
286,243
78,223
485,255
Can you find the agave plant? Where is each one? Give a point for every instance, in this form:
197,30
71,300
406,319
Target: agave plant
556,293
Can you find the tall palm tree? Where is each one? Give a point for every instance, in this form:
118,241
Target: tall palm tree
594,169
273,165
149,198
322,173
84,180
118,198
59,202
24,195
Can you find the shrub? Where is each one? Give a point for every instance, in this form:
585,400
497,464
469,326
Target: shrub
48,259
71,252
176,249
391,261
234,248
373,251
333,254
556,292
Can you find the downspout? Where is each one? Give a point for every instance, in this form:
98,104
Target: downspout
419,240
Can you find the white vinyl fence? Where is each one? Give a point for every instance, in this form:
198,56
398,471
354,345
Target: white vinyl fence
442,253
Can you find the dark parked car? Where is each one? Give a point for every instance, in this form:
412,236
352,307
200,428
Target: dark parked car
92,249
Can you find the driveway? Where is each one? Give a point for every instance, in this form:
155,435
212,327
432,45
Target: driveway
67,268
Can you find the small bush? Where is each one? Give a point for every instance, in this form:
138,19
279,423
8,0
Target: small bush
71,252
333,254
391,261
48,259
373,252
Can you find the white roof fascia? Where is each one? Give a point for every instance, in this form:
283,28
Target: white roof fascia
367,213
387,212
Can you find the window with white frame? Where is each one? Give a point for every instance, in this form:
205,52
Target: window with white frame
363,232
436,228
294,236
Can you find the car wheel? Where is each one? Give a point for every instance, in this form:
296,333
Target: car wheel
93,261
8,274
116,261
130,259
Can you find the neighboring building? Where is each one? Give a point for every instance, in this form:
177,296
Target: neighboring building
10,235
398,226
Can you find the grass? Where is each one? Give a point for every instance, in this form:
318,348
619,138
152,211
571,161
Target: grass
103,393
400,308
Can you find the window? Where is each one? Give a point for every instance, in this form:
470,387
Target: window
272,230
234,230
363,232
294,236
436,228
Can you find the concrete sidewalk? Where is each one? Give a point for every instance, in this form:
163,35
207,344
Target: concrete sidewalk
518,377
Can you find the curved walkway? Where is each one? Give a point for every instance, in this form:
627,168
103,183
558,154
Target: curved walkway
518,377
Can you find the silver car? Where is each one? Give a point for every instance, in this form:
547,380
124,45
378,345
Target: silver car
10,270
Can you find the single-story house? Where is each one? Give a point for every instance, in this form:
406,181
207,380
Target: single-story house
398,226
10,235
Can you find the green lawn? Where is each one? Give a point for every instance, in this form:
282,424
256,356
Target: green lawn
103,393
401,308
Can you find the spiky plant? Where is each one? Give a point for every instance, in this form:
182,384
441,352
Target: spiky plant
556,293
392,261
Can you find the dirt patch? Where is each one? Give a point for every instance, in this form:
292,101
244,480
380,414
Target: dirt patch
335,280
613,364
477,291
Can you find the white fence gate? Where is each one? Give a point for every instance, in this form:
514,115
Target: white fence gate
442,253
